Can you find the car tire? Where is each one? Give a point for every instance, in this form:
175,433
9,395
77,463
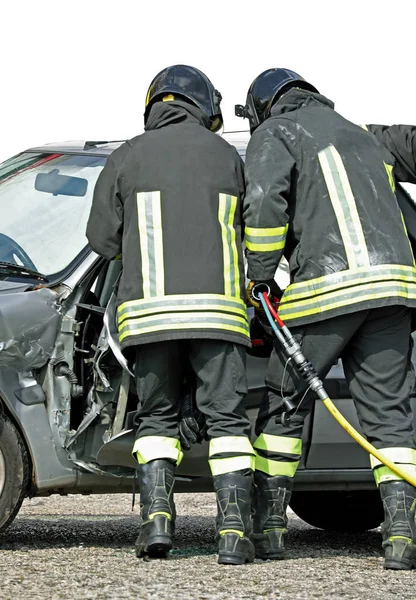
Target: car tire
14,471
339,511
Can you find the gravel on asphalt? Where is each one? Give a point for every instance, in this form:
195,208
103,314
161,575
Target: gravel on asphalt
83,547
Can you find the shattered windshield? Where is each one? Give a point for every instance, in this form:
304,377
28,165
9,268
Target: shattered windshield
45,200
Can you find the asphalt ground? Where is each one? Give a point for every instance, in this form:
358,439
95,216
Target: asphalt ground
82,547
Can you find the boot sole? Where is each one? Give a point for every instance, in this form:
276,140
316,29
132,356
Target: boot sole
235,559
157,546
268,546
399,565
271,556
240,552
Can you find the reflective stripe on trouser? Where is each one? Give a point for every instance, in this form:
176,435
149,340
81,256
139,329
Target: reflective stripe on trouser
222,449
405,457
277,455
152,447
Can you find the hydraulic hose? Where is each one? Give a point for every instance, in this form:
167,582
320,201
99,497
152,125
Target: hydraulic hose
306,370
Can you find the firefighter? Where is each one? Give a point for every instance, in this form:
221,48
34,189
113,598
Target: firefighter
321,191
170,201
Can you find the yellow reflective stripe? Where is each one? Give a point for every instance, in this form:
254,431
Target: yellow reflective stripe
149,214
230,443
265,239
277,443
148,95
397,455
234,250
265,231
348,278
383,474
364,127
226,213
236,531
219,466
217,300
364,293
276,467
389,169
265,247
343,202
185,318
164,514
152,447
171,308
183,327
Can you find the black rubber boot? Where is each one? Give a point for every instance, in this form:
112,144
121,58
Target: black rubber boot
157,508
398,529
271,499
234,520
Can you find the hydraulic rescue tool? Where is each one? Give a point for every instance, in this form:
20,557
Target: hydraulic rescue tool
261,293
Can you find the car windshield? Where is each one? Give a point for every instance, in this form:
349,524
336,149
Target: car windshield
45,200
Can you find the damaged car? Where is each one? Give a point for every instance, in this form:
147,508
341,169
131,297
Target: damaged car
67,395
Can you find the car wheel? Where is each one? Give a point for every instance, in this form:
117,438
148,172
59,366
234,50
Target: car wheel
339,511
14,471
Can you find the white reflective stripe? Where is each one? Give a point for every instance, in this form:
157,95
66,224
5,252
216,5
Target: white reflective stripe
277,443
364,127
219,466
229,443
152,447
345,209
141,215
398,455
149,214
158,245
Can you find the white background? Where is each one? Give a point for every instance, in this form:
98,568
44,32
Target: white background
80,69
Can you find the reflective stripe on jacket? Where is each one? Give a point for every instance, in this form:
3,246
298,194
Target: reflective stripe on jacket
170,201
320,190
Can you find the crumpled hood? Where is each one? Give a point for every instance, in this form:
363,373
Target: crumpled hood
11,287
29,323
296,98
173,113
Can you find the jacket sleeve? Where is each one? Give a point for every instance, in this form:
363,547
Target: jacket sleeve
268,173
400,140
105,223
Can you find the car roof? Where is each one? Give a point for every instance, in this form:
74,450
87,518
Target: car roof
239,139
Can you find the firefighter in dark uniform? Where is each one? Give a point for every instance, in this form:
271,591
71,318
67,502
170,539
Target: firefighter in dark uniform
321,191
170,201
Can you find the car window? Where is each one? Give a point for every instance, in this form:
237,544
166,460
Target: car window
45,200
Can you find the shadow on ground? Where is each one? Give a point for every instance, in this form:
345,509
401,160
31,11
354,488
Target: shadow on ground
194,536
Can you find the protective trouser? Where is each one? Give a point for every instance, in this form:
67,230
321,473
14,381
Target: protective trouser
219,367
375,346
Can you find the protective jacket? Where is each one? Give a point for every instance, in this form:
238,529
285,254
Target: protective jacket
320,190
170,201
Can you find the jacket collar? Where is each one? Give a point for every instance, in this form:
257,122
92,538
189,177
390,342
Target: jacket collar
175,112
297,98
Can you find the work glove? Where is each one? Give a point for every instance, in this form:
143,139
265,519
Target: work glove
192,428
260,286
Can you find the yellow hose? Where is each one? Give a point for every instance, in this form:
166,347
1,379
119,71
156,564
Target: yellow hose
366,445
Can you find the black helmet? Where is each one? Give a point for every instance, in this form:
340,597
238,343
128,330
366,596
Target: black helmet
265,90
190,83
